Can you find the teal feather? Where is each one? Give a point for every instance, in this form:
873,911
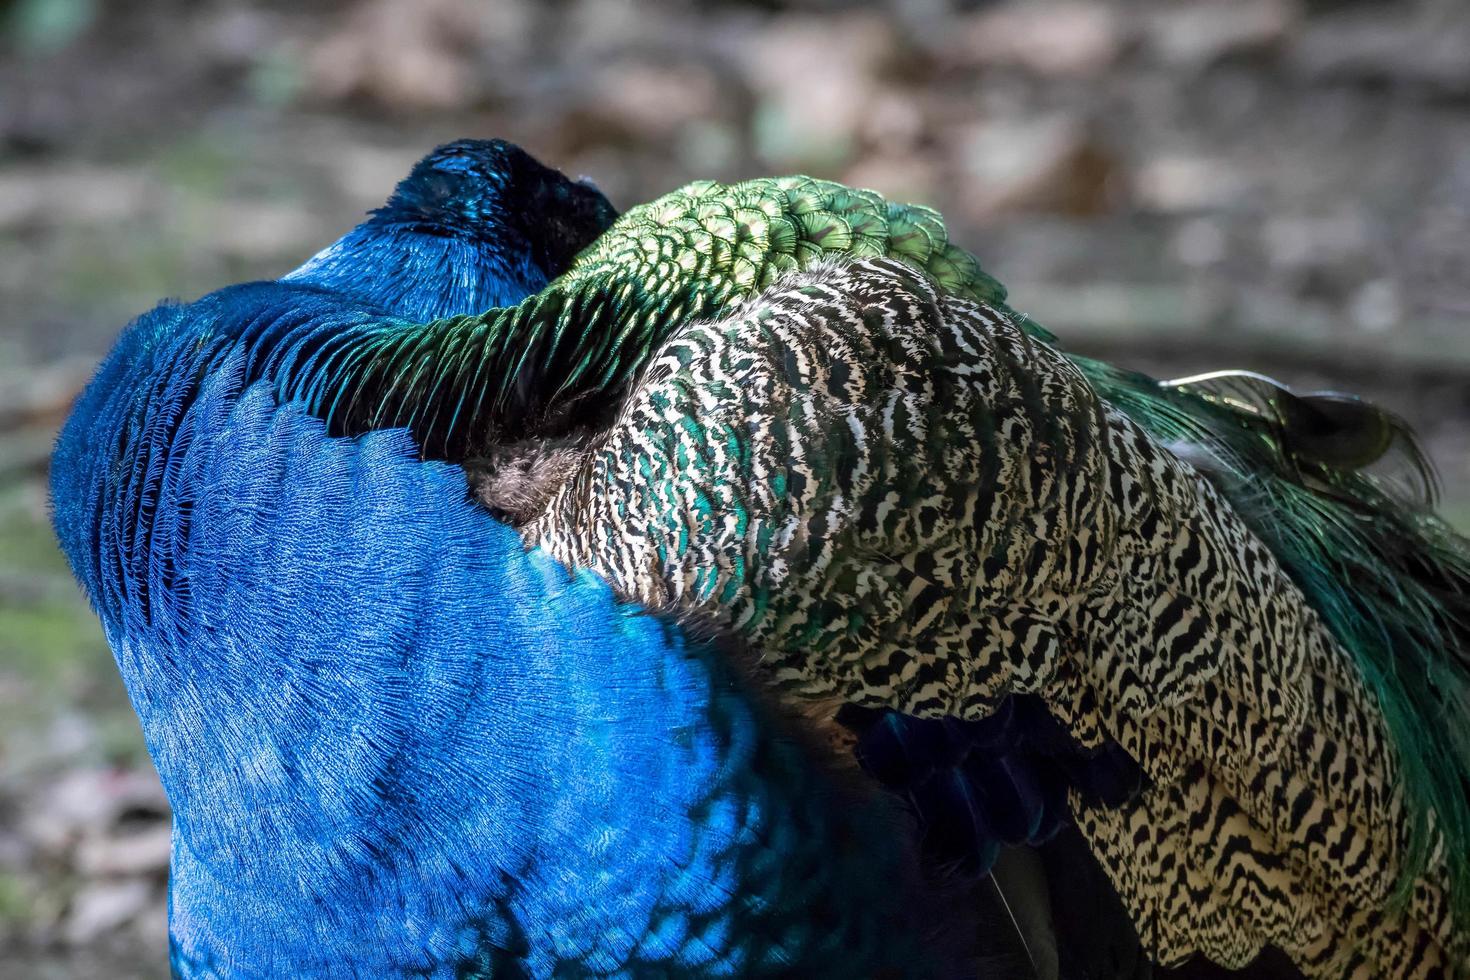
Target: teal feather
1389,578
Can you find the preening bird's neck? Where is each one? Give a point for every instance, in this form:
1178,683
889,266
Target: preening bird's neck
421,275
396,743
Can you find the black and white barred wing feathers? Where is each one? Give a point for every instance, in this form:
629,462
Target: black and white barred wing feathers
904,498
828,470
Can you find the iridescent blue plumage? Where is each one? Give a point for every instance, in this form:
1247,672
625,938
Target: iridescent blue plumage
395,743
978,785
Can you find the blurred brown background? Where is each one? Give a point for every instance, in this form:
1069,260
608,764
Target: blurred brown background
1265,184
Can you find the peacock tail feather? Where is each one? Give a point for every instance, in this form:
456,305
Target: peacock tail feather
1389,578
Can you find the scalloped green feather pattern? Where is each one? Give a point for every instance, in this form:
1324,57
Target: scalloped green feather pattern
563,355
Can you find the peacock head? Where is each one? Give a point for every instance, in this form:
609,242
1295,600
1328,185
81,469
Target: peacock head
476,224
493,189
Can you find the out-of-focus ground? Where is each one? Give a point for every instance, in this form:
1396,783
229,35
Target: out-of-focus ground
1249,183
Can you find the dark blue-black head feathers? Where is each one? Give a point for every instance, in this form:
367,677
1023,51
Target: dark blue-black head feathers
475,225
490,189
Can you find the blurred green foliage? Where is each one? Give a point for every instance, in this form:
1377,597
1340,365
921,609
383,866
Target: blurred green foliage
45,26
52,652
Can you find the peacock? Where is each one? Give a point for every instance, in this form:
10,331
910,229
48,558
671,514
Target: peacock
890,515
398,744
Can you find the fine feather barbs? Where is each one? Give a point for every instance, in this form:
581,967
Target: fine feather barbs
1047,600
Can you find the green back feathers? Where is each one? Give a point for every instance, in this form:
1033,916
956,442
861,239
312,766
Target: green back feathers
560,359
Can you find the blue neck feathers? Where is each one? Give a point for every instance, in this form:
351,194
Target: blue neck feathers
418,274
396,743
